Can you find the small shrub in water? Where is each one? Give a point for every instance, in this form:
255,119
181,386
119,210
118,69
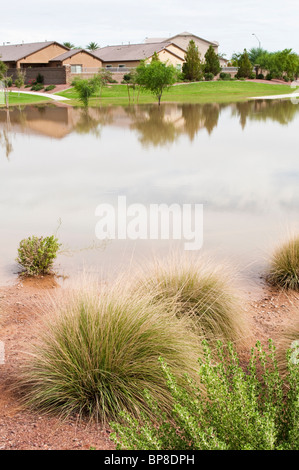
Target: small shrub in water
36,255
242,411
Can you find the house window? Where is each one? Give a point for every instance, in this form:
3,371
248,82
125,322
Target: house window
121,66
76,68
108,66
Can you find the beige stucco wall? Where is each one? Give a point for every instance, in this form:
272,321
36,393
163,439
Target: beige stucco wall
183,41
43,56
176,50
166,56
83,59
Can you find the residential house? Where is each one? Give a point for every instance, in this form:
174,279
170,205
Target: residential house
182,40
78,60
130,55
35,54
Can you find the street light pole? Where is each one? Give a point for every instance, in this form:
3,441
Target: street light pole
253,34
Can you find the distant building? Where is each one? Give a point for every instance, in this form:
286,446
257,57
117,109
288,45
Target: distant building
36,54
130,55
182,40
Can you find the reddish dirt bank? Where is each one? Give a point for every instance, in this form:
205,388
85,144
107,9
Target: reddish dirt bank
20,308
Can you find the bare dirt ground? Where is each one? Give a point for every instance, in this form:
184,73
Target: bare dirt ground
21,306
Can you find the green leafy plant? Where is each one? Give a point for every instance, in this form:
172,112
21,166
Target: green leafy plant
243,409
209,77
192,67
39,78
155,77
36,255
97,352
212,64
284,265
50,87
37,87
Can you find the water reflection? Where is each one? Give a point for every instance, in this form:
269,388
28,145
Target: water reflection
64,161
155,126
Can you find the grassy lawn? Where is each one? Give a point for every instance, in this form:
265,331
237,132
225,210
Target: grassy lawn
203,92
14,99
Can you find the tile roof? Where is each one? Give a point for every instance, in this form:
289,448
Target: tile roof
128,52
15,52
71,53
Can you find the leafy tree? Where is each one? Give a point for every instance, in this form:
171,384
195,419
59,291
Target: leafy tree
255,53
100,80
20,80
155,77
212,64
3,70
245,66
155,57
85,88
192,69
69,45
92,46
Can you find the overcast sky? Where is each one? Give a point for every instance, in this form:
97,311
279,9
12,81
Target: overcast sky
230,22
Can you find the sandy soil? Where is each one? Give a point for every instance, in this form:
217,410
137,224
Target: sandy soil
20,307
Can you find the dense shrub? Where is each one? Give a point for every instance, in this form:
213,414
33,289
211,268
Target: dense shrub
269,76
284,265
96,354
289,340
36,255
244,410
39,78
50,87
37,87
261,76
225,76
200,291
209,76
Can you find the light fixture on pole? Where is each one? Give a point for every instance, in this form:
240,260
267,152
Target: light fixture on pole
253,34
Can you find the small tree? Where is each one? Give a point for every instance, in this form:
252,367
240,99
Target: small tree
20,80
85,89
245,66
156,77
212,64
100,80
192,68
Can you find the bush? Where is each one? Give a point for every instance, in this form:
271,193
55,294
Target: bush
50,87
39,78
284,265
245,410
252,76
261,76
97,353
287,79
225,76
36,255
37,87
198,291
269,76
209,77
242,79
289,340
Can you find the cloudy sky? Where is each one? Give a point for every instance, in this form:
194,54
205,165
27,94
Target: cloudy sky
230,22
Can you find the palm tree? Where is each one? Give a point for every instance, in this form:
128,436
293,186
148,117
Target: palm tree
69,45
92,46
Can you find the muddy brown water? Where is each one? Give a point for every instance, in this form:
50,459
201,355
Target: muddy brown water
58,163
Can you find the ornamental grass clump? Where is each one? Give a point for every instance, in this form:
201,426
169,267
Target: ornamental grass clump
200,291
36,255
97,352
284,265
249,409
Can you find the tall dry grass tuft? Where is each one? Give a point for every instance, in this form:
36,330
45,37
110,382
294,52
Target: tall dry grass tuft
284,265
96,353
198,291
